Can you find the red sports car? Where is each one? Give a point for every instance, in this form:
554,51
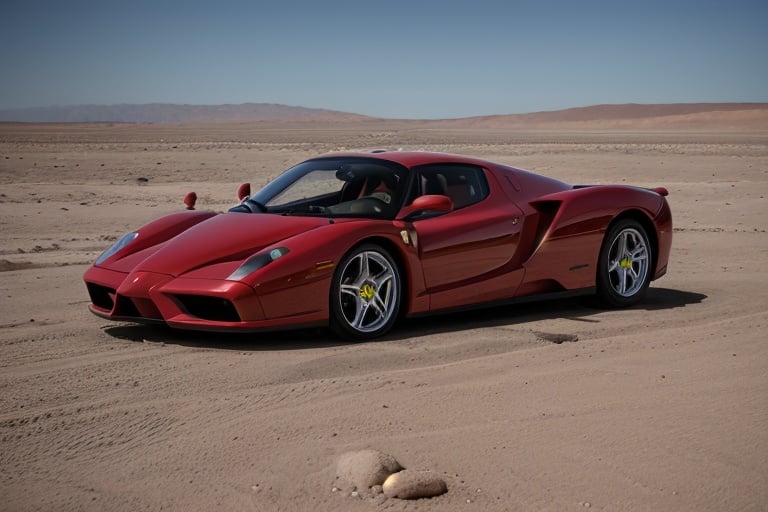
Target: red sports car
357,240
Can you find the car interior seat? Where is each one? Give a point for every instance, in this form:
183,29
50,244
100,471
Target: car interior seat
434,184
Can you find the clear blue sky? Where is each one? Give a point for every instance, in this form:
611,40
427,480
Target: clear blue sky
410,59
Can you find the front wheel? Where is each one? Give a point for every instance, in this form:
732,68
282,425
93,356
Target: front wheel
624,268
365,293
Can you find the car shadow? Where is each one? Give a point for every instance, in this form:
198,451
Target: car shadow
296,339
577,309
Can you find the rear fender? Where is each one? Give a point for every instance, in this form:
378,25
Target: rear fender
567,247
592,208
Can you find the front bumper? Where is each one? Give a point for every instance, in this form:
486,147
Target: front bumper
194,304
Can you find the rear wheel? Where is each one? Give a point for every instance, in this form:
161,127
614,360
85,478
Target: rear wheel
365,294
624,269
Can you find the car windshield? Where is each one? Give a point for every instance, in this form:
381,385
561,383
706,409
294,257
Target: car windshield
337,187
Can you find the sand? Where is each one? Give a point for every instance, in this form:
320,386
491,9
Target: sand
549,406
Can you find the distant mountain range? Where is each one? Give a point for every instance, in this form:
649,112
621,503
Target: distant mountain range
623,116
172,113
671,116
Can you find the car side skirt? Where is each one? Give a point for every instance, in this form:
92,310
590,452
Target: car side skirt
514,300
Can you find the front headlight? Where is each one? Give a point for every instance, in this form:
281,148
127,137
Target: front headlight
256,262
125,240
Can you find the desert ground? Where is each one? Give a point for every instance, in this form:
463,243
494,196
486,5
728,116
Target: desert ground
556,405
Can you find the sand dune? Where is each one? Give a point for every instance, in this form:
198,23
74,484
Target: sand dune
551,406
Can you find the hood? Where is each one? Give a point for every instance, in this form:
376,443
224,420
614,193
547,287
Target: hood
225,237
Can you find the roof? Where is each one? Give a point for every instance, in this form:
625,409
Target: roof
415,158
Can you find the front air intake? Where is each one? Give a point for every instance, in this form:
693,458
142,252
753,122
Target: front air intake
209,308
101,296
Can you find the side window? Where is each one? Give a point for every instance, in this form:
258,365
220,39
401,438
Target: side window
464,184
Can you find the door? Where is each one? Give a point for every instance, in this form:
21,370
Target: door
466,253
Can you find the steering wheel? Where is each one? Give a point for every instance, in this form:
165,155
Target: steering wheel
382,196
368,204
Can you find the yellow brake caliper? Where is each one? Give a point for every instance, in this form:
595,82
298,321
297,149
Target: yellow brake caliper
367,292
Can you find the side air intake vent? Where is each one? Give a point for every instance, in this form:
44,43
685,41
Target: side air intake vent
535,228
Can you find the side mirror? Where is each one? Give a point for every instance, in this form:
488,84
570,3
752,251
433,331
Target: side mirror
243,192
426,204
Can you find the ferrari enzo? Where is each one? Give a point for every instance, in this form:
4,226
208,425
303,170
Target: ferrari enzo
356,241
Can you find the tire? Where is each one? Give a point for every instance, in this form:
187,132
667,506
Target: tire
624,267
365,294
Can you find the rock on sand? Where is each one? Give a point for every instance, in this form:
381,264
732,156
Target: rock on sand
411,485
366,468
